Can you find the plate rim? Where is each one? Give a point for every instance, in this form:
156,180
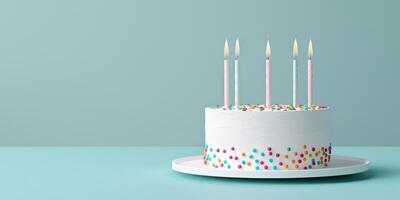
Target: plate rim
363,165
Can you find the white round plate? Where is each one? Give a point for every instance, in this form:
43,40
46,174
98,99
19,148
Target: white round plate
338,166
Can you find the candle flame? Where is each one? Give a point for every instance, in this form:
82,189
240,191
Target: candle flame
237,49
295,49
268,50
310,49
226,49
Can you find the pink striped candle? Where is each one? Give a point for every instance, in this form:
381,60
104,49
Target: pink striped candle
226,75
310,75
295,54
268,77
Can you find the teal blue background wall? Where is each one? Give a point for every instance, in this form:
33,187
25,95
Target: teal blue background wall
140,72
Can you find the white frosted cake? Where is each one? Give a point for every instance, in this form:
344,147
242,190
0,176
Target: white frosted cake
280,138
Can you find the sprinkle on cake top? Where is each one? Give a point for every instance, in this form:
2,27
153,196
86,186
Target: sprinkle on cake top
275,107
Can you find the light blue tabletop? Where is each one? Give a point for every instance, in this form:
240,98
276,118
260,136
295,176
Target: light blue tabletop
75,173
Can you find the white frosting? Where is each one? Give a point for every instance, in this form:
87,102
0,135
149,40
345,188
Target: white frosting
272,128
246,131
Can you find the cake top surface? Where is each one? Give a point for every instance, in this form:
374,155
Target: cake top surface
274,108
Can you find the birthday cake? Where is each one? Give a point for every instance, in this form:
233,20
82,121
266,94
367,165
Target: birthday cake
266,136
253,138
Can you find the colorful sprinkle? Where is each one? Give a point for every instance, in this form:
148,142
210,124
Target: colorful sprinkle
299,161
251,159
274,108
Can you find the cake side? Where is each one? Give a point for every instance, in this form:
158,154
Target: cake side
238,140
